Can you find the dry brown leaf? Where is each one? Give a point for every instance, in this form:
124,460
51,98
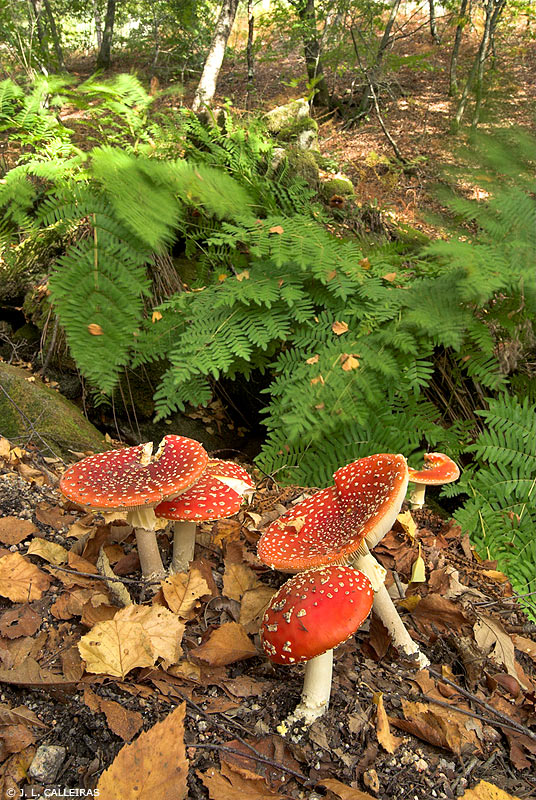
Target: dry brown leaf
49,551
389,276
236,783
164,629
276,229
254,604
19,716
154,766
80,529
527,646
71,664
183,590
383,731
29,673
117,646
493,639
442,727
21,621
5,447
237,579
14,530
94,329
16,738
339,328
349,363
225,645
487,791
20,580
313,360
345,792
15,771
439,612
121,721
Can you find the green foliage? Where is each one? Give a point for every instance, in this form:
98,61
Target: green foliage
500,512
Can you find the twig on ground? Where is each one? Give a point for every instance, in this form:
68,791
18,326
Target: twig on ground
518,726
469,713
261,759
105,578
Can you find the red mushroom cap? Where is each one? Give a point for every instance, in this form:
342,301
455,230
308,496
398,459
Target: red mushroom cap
228,469
438,469
330,525
208,499
314,612
132,477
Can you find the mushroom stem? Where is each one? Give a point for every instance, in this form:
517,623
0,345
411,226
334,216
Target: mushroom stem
416,498
149,554
384,607
183,546
316,690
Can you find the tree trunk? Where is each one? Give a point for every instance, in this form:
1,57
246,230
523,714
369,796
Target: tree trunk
315,71
433,24
206,89
37,7
56,41
453,83
493,11
98,23
105,52
374,73
249,54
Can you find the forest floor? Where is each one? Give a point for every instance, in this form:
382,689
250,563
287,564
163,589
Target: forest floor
390,733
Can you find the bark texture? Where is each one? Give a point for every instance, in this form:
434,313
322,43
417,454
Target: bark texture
206,89
105,52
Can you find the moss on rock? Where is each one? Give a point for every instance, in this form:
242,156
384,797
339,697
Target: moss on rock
29,407
283,116
339,185
303,164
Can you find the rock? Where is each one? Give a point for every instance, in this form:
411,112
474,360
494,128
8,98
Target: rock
30,407
338,185
47,762
282,116
303,164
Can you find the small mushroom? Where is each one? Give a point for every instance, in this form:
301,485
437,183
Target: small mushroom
134,480
216,495
438,469
308,616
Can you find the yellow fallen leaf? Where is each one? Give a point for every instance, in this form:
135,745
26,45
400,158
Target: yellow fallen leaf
154,766
345,792
116,646
276,229
313,359
339,328
390,276
494,575
487,791
254,603
20,580
226,644
164,629
493,639
349,363
4,447
408,523
418,570
183,590
94,329
383,731
243,276
156,316
319,379
50,551
237,579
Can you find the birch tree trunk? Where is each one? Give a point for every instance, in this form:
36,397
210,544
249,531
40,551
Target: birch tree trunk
104,57
206,89
433,23
98,22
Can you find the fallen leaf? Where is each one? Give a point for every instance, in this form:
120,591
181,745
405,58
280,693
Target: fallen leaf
14,530
154,766
120,720
437,611
237,579
493,639
276,229
19,716
254,603
183,590
487,791
20,580
418,570
339,328
225,645
243,276
16,738
383,731
236,784
389,276
527,646
440,726
156,316
116,646
94,329
349,363
164,629
408,524
49,551
313,360
345,792
21,621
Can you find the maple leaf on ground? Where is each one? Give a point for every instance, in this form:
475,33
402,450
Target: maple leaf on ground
20,580
154,766
226,644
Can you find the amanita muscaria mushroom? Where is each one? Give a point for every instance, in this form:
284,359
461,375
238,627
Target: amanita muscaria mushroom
217,494
134,480
308,616
438,469
337,525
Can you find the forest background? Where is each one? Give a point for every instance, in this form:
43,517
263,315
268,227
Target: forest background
349,274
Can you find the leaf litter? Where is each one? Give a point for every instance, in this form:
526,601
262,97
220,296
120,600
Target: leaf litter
163,691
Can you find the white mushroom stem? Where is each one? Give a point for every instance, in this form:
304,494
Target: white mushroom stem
385,609
183,546
143,520
416,498
315,693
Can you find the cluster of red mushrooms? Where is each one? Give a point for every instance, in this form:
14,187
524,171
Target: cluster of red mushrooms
325,539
